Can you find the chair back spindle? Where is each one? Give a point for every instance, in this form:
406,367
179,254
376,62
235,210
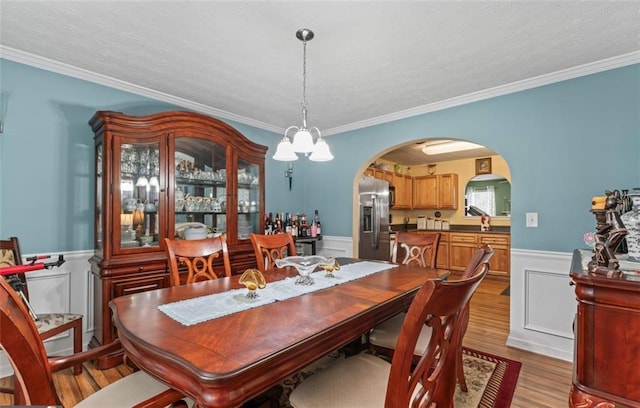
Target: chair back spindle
268,248
198,257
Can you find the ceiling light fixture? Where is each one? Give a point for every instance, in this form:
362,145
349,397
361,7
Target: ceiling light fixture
302,139
449,147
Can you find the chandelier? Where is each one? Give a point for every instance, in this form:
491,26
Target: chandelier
302,138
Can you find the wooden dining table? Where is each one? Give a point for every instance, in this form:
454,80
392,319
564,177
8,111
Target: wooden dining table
228,360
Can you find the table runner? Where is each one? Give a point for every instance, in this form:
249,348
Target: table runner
203,308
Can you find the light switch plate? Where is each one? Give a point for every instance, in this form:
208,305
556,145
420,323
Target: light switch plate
532,220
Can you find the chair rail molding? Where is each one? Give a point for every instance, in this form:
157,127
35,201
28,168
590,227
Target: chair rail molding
542,303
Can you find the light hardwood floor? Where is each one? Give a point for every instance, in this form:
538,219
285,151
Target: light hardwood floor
543,381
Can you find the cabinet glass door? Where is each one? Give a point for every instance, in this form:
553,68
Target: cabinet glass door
248,199
139,195
200,196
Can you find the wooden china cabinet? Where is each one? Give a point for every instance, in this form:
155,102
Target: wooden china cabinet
171,174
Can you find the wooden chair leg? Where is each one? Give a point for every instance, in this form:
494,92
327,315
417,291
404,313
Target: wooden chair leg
460,371
77,344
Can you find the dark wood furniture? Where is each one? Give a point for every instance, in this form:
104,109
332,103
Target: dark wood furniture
383,339
196,258
155,176
417,249
607,339
367,381
268,248
269,342
50,324
34,384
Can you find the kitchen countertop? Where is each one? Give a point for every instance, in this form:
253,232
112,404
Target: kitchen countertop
454,228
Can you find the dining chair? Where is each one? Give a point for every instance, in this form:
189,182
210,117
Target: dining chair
365,380
48,324
419,248
268,248
34,385
384,337
200,257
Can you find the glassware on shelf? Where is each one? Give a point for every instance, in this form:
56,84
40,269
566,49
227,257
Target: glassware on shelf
305,265
252,279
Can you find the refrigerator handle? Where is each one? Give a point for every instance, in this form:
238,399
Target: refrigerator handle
376,223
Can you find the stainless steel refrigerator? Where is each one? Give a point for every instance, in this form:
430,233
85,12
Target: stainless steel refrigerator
374,219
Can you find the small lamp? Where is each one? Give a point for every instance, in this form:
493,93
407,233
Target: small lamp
125,223
138,220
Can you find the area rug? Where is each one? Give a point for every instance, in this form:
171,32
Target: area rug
491,380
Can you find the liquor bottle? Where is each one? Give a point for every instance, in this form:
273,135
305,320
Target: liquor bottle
314,229
304,228
269,226
278,229
316,219
287,223
294,226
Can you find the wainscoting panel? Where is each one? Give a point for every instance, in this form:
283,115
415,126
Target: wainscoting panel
541,314
335,246
542,303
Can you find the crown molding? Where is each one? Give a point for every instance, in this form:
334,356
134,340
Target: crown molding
80,73
563,75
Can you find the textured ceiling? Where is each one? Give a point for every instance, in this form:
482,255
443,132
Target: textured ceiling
368,59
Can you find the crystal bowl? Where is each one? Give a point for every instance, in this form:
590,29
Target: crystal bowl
305,265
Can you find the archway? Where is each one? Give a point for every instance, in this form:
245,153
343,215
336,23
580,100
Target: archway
464,165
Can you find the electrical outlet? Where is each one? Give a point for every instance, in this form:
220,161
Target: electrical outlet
532,220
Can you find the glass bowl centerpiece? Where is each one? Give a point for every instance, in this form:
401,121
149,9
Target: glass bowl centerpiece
305,265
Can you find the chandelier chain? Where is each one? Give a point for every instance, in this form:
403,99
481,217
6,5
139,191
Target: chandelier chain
304,75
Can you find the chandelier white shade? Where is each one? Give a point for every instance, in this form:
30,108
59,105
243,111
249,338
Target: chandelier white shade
285,152
321,151
302,138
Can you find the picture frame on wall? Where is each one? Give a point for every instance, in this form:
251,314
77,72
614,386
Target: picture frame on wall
483,166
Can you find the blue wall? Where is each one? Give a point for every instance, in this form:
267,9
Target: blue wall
564,143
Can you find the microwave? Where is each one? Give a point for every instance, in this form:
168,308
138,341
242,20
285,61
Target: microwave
392,196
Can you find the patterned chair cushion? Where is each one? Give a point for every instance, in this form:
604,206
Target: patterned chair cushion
44,322
6,258
49,321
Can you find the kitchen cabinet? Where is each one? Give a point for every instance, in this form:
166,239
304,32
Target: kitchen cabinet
159,176
438,191
463,245
403,185
607,329
442,259
425,192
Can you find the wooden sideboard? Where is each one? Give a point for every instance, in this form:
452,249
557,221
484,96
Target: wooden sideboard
607,340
